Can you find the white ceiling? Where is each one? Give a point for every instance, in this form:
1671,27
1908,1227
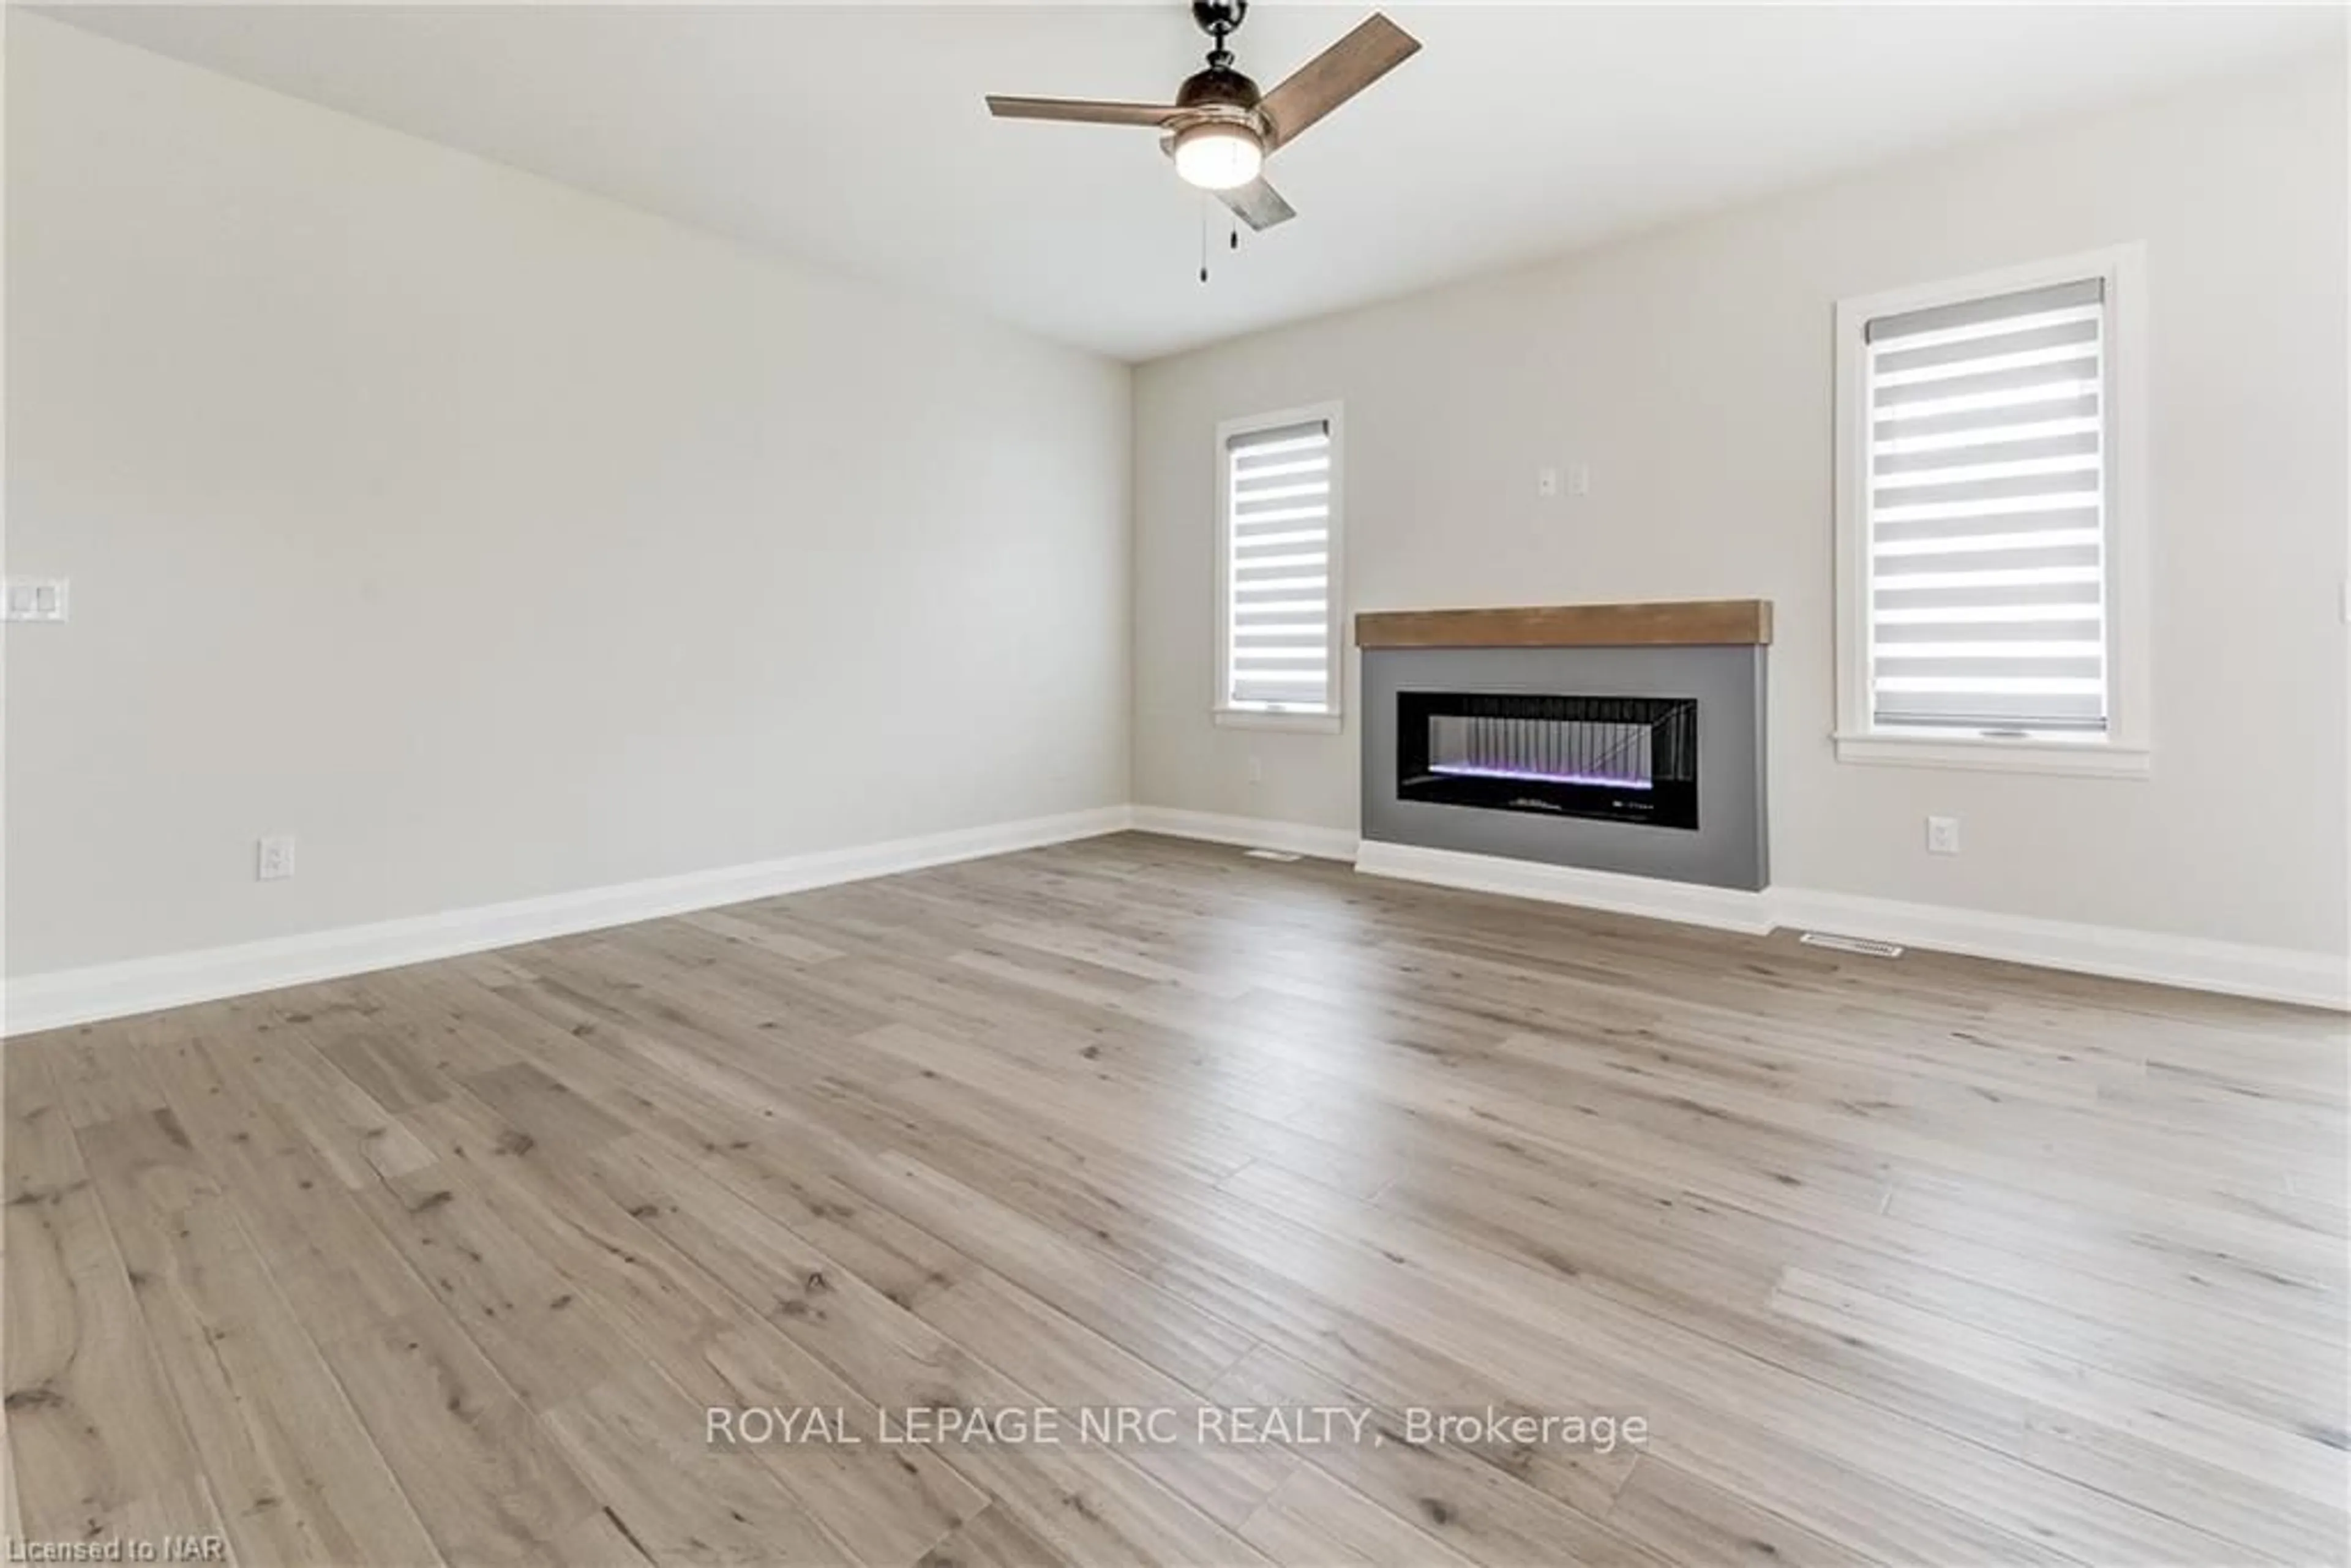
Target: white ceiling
853,137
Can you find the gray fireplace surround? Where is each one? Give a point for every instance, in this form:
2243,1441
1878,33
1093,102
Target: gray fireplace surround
1729,848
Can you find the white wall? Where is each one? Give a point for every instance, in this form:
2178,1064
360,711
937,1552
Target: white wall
495,540
1691,369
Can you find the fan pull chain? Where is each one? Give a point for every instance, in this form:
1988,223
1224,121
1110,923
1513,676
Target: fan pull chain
1232,240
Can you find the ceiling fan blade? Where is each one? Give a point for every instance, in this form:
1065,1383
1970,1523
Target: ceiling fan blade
1260,204
1085,110
1375,47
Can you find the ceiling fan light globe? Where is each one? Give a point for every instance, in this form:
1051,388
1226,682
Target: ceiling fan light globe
1218,157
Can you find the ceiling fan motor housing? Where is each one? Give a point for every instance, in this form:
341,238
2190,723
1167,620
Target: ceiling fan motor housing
1218,86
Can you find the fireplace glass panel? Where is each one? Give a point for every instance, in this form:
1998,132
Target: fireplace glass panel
1629,759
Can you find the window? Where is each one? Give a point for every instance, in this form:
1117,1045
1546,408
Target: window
1990,533
1278,601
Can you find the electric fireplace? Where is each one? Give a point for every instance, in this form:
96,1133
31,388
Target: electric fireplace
1573,735
1616,759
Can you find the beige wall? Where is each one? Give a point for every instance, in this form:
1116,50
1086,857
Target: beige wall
683,528
1691,369
497,540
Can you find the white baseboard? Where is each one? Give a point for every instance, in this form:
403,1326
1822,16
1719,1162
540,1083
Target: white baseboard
1252,833
2199,963
144,985
2230,969
1726,909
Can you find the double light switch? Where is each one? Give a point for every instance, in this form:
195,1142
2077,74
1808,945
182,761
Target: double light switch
35,597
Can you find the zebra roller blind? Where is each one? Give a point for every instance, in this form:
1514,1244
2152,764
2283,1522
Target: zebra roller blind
1279,649
1986,508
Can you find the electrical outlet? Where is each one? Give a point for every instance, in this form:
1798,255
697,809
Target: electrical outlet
272,859
1255,770
1579,479
1942,835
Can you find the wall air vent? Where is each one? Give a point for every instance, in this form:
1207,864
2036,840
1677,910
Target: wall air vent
1861,945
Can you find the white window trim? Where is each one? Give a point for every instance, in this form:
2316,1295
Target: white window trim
2126,749
1327,720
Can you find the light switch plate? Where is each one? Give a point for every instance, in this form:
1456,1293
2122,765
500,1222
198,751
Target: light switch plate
35,597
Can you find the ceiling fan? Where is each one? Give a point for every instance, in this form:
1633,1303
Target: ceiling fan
1220,128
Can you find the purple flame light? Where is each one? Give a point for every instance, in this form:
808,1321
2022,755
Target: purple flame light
1535,776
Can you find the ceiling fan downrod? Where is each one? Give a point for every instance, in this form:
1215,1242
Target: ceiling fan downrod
1219,19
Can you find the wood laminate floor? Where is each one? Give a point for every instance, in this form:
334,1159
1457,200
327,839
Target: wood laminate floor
1926,1262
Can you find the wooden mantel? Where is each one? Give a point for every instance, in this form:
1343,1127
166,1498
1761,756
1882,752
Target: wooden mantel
1671,623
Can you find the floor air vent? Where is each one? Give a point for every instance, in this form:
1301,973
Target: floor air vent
1851,945
1270,854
